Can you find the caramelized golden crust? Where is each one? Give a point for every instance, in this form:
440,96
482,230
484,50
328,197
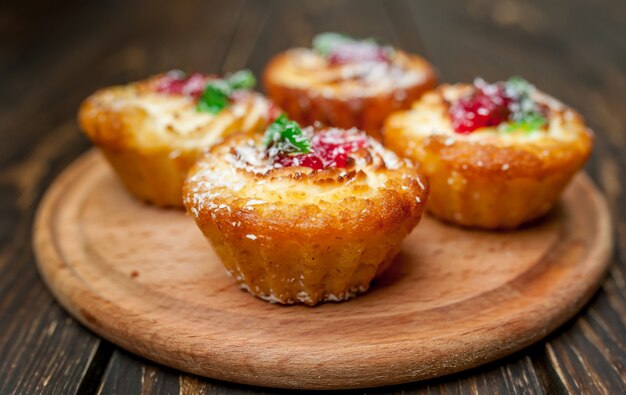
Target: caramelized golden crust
151,139
294,235
357,95
489,178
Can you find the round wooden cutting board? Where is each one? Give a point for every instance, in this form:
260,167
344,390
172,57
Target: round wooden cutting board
146,279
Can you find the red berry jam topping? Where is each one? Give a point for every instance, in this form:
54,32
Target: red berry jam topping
286,144
494,104
309,160
329,148
486,106
177,83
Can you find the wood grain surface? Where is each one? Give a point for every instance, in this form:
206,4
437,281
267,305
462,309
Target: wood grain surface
54,54
147,280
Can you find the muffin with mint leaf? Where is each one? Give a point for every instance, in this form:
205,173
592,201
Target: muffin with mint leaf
346,82
152,131
497,155
304,215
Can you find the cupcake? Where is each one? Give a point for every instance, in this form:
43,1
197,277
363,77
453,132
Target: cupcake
304,215
152,131
345,82
496,155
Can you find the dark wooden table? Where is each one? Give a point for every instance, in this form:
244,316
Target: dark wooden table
54,53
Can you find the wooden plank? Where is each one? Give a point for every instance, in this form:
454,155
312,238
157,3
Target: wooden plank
45,81
128,374
589,356
42,350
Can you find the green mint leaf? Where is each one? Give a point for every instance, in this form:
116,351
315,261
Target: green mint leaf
243,79
293,134
525,114
273,132
215,97
528,123
216,94
286,136
324,43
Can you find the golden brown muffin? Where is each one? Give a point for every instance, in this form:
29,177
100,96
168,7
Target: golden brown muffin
496,155
346,83
304,225
152,131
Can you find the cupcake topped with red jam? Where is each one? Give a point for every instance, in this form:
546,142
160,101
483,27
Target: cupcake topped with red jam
304,215
497,155
153,130
346,82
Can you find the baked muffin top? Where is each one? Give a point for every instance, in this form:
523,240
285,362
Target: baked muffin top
176,109
308,175
504,113
507,128
338,65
